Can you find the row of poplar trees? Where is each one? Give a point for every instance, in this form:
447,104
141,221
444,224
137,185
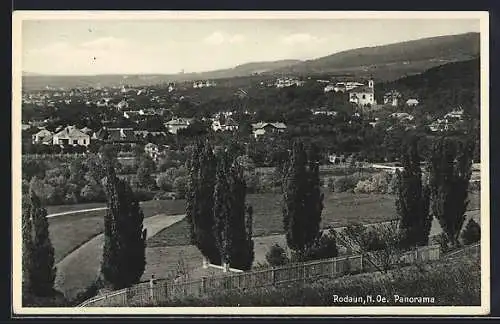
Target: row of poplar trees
443,196
302,198
219,219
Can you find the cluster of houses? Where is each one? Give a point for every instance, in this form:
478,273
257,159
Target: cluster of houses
363,95
285,82
204,84
449,121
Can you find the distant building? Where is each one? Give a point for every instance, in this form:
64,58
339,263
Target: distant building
152,150
346,86
229,124
328,88
412,102
175,124
122,105
71,135
392,98
363,95
204,84
263,128
288,82
42,137
87,131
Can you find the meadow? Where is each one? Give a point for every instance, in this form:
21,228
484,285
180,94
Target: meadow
68,232
340,209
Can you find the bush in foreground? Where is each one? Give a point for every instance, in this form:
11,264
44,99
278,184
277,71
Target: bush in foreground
276,256
451,284
471,233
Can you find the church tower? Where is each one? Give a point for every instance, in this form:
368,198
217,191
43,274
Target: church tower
370,83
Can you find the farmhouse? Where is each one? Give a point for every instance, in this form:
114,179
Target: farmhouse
42,137
263,128
71,136
363,95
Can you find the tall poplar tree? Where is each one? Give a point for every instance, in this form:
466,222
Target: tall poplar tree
450,172
303,200
124,257
200,200
222,208
233,218
412,200
38,253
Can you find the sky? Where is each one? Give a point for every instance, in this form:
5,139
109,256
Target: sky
87,47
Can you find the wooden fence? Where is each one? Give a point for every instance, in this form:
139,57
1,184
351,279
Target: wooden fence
151,293
472,250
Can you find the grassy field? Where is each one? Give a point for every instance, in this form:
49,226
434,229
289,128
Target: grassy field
68,232
340,210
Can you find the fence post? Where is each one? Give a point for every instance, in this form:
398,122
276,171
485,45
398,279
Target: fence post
205,263
151,287
361,262
203,285
416,254
304,273
273,275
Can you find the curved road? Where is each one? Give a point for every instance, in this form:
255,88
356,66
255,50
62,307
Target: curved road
80,268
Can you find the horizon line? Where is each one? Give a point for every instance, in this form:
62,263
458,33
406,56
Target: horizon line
235,66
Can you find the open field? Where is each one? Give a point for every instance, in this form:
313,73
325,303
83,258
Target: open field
340,210
79,269
68,232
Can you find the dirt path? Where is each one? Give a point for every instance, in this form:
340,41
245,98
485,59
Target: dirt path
80,268
75,212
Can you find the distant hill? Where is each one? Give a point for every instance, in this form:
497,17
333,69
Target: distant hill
441,88
33,81
384,63
389,62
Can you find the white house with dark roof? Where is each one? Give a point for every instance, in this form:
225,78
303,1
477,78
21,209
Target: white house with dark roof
264,128
71,135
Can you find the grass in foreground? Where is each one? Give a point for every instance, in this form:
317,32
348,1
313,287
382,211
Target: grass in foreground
68,232
446,283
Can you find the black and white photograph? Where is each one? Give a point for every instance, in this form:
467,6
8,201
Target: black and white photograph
245,163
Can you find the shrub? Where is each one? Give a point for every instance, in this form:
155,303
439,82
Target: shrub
378,183
330,183
363,186
347,183
392,187
276,256
180,186
144,195
475,186
324,248
471,233
164,182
